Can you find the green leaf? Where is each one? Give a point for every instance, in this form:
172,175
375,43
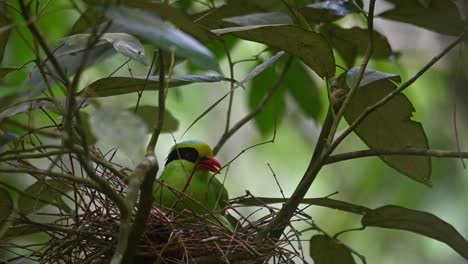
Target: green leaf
41,194
441,16
5,71
303,89
270,18
111,86
274,109
119,128
175,16
326,250
18,229
149,115
312,48
423,223
212,19
150,27
86,128
390,126
5,21
352,42
123,43
328,11
6,207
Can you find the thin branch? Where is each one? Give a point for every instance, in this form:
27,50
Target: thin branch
228,134
396,152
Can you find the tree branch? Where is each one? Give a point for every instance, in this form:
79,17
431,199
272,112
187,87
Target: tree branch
396,152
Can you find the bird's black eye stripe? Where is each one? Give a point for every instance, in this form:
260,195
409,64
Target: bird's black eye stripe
189,154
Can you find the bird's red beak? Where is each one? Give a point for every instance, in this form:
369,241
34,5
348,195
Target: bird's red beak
210,164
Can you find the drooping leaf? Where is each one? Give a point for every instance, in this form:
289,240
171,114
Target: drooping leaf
149,26
123,85
328,11
273,111
312,48
423,223
369,77
5,71
390,126
6,207
352,42
119,128
149,114
43,193
270,18
44,103
441,16
303,89
326,250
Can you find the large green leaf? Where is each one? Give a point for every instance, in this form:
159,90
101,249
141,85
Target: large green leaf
326,250
390,126
328,11
41,194
5,71
149,26
270,18
111,86
352,42
441,16
312,48
423,223
273,111
300,84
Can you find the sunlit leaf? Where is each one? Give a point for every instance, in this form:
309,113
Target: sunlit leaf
119,128
390,126
326,250
270,18
328,11
111,86
6,207
441,16
41,194
149,26
423,223
312,48
352,42
304,90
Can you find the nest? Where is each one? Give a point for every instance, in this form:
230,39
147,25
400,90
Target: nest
90,234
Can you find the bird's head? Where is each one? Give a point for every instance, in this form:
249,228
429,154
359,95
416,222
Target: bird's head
197,152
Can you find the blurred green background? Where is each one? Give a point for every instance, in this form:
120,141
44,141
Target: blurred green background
367,182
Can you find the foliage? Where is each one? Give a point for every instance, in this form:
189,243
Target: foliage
52,114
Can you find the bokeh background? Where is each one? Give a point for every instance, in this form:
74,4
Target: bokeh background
367,182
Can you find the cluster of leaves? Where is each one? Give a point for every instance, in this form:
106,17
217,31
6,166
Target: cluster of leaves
308,31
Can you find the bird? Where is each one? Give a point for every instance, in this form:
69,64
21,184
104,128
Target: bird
188,181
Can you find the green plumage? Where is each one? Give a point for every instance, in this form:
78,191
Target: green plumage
203,187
